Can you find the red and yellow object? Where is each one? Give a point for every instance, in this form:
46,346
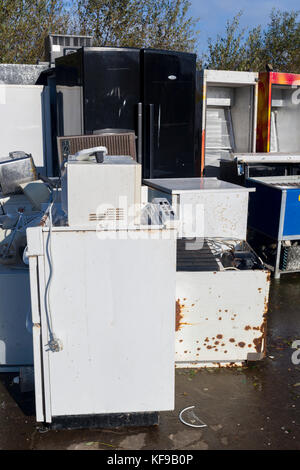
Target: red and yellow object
265,82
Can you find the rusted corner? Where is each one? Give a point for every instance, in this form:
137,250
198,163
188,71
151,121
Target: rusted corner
260,343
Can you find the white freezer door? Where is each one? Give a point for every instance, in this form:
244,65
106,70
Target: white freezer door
113,308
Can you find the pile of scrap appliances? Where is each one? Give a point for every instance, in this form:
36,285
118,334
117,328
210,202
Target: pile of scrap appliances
144,206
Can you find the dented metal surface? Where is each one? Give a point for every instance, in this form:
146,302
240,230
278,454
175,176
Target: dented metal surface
221,317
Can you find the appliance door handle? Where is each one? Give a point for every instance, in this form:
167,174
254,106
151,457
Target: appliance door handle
151,140
140,133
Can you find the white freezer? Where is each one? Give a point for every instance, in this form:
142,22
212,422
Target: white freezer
206,207
112,307
25,123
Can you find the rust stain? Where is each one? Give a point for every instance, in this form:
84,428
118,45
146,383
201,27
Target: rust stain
257,343
220,318
241,344
179,315
232,340
260,343
248,327
219,336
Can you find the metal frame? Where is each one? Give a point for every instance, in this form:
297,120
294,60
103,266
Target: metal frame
226,78
280,237
266,80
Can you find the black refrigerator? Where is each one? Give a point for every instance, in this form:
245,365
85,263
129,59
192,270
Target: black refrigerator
151,92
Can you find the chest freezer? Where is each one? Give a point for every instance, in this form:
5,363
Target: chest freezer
113,319
205,207
222,293
225,116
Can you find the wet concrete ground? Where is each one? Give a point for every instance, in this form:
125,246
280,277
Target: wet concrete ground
253,407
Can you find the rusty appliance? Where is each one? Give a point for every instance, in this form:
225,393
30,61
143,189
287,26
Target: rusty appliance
222,286
222,294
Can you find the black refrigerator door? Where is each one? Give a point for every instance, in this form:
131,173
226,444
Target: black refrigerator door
169,113
111,88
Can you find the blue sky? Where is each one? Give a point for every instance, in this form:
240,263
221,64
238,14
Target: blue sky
213,14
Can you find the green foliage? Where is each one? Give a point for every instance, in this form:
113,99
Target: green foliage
138,23
239,49
24,24
164,24
282,41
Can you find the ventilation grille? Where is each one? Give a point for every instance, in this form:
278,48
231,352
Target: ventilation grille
57,45
71,41
112,214
117,144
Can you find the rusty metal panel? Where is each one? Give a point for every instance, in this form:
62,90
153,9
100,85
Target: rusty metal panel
220,317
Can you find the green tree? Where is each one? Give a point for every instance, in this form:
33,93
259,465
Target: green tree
228,52
241,49
281,42
138,23
24,24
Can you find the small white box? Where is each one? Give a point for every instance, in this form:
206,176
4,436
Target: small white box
102,194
